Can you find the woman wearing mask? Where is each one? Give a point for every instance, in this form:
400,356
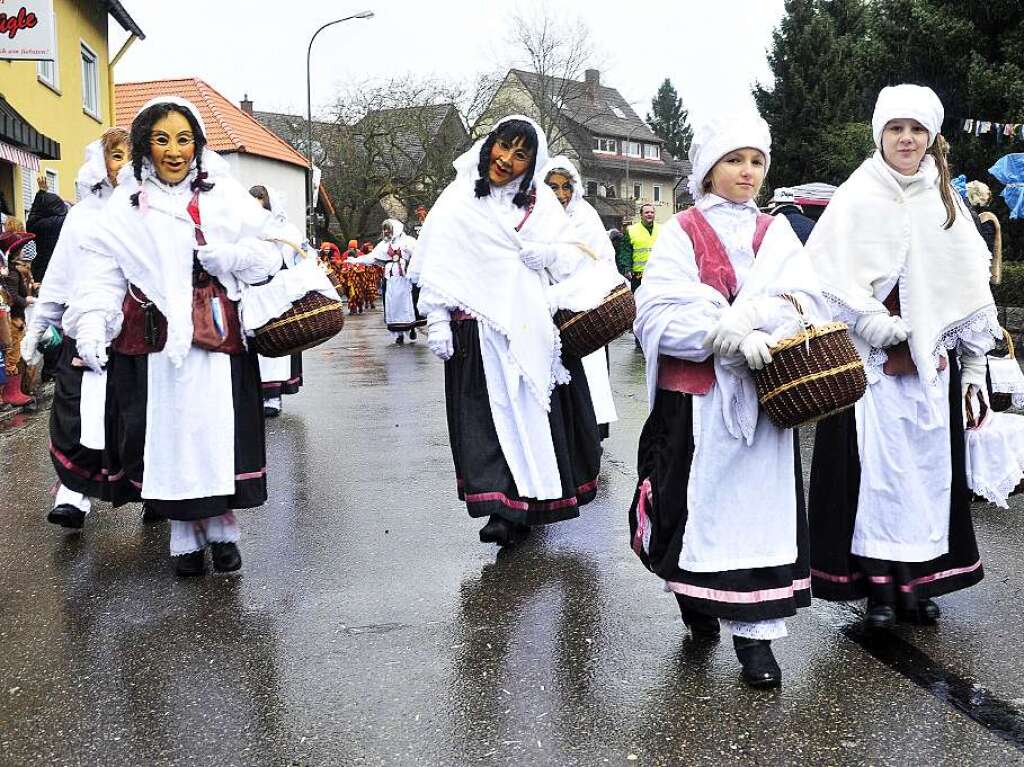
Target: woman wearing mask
524,441
174,248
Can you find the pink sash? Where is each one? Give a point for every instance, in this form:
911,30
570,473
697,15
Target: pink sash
715,271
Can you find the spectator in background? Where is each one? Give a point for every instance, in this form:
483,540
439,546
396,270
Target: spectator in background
636,246
45,220
17,283
784,202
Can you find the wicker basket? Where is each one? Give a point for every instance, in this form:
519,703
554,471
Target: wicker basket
584,333
812,375
312,319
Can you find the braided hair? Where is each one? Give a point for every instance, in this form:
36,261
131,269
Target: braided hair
510,131
142,129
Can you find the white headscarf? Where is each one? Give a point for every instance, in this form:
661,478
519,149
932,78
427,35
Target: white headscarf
916,102
93,172
721,135
589,228
466,165
397,229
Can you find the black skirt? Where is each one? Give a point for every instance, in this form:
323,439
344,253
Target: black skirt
272,389
126,439
79,468
483,478
657,520
839,576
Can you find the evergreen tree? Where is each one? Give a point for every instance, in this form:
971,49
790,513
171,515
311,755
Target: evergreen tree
669,120
817,103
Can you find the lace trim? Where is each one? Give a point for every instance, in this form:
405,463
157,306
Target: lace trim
558,373
999,493
873,364
773,628
981,323
842,311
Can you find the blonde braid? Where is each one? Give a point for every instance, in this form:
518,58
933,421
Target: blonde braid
940,151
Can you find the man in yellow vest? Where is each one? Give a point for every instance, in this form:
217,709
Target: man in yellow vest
636,245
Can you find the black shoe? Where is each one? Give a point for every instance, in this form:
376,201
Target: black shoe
759,667
400,340
705,627
926,614
66,515
226,557
412,334
193,563
149,516
879,616
502,532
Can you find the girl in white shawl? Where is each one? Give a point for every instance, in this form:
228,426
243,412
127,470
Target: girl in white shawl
165,267
718,513
76,415
564,180
903,265
525,443
394,253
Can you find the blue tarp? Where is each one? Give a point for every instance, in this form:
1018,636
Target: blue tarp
1010,170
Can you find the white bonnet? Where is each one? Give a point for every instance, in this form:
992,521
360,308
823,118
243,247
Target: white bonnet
916,102
717,137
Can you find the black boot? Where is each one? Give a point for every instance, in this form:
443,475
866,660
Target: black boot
502,532
879,616
400,340
193,563
759,667
149,516
927,613
226,557
66,515
412,334
701,626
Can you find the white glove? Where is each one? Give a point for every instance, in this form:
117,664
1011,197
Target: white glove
756,349
30,345
224,259
881,330
973,370
439,339
736,324
93,354
538,255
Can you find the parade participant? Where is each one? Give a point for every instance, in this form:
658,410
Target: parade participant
375,279
280,375
392,254
719,512
16,281
903,265
564,180
636,245
45,219
76,414
166,265
524,442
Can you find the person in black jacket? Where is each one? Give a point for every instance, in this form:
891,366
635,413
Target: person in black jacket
45,220
784,202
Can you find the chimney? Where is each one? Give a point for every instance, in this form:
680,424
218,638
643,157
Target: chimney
246,105
592,78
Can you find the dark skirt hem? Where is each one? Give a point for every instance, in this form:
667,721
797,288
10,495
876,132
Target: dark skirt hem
658,517
527,511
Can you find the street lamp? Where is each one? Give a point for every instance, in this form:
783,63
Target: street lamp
310,191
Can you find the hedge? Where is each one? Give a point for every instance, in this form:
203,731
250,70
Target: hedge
1010,292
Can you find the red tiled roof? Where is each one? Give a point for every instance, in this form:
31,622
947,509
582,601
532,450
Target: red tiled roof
228,128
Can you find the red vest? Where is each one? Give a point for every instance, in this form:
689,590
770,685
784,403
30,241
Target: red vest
715,271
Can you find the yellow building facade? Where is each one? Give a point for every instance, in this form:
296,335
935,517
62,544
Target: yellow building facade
69,101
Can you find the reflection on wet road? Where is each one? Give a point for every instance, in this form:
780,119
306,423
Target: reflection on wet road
369,625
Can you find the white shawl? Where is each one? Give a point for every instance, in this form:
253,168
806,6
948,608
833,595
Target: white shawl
876,227
468,256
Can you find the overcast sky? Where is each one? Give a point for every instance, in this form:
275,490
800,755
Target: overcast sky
713,50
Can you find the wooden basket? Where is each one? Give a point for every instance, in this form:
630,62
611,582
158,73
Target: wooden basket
309,322
812,375
584,333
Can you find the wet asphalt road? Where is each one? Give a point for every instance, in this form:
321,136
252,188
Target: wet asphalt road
369,626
